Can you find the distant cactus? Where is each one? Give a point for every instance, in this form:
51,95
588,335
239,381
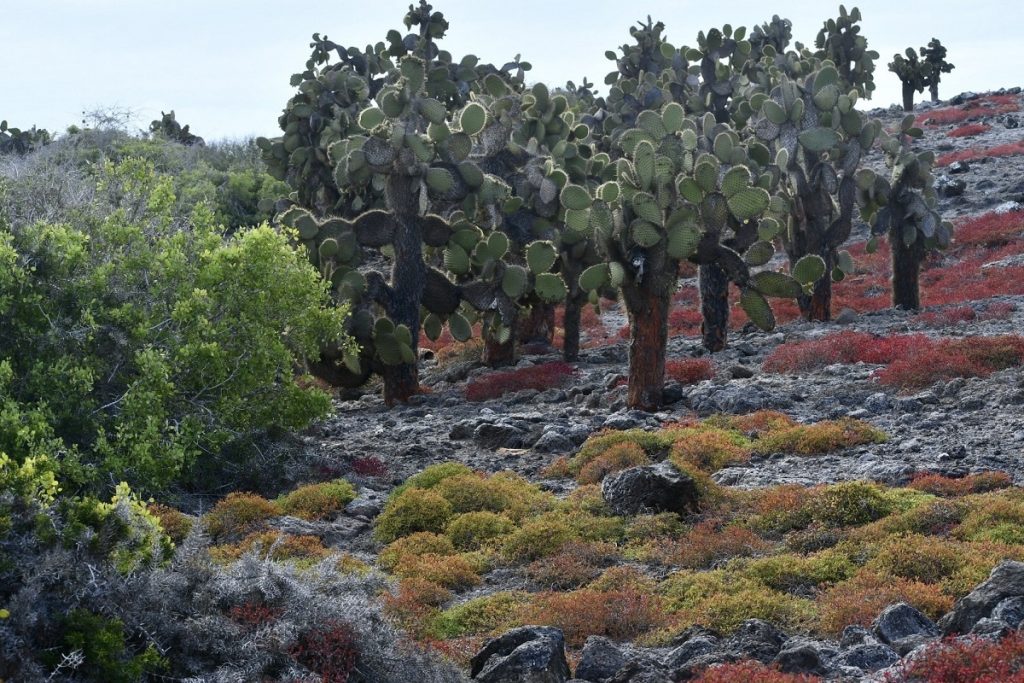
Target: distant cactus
21,142
903,208
839,40
934,57
167,126
913,73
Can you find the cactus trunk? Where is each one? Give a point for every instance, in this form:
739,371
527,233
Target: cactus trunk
538,327
908,97
497,354
648,324
934,90
817,306
409,275
571,324
906,269
714,306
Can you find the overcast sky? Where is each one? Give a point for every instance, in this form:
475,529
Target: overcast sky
223,65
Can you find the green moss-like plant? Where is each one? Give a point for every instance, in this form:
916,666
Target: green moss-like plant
318,501
411,511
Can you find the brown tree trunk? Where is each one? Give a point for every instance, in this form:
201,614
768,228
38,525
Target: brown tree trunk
906,271
817,306
408,279
648,326
714,306
497,354
539,326
571,325
908,97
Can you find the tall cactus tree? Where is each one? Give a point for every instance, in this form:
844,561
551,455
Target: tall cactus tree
414,152
913,73
21,142
903,208
840,42
669,201
818,139
934,57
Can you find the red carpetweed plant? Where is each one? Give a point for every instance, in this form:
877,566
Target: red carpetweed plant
1008,150
539,377
948,487
969,130
750,671
990,229
329,650
690,370
983,106
977,660
254,614
369,466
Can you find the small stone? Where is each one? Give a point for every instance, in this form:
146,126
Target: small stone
741,372
950,187
959,167
847,316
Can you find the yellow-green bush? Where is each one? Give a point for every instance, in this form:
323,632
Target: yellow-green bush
820,437
238,514
485,615
419,543
709,449
472,530
850,504
617,458
451,571
794,573
537,538
318,501
412,510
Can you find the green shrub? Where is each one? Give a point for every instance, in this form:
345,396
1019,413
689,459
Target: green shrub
419,543
411,511
107,655
473,530
148,344
318,501
237,515
483,615
850,504
433,475
537,538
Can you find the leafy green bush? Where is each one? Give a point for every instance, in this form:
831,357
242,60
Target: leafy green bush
133,345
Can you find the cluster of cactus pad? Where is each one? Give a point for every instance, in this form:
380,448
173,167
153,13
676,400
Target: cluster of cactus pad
167,126
21,142
495,202
921,69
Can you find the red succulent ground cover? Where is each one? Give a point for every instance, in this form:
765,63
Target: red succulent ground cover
992,105
911,361
976,660
971,129
1008,150
690,370
330,650
539,377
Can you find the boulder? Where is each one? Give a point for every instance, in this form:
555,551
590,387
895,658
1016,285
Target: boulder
600,660
1010,611
651,488
697,646
528,654
755,639
496,436
870,657
903,627
1005,581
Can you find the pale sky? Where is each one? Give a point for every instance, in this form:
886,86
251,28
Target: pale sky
224,65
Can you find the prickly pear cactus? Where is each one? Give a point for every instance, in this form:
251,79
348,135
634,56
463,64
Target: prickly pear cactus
913,73
682,187
817,139
841,42
903,208
167,126
934,56
21,142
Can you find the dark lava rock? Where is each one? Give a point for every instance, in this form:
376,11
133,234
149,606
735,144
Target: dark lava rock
651,488
529,654
870,657
600,660
697,646
991,628
1005,581
496,436
1011,611
904,627
959,167
756,639
800,658
641,672
552,442
740,372
950,187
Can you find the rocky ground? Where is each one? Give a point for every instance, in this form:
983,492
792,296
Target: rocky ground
954,428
